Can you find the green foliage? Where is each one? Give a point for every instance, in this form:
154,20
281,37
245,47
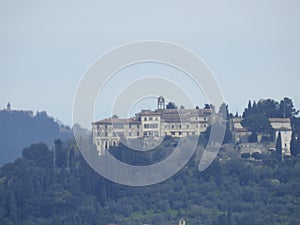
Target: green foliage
286,109
245,155
258,123
19,129
257,155
272,109
171,105
228,192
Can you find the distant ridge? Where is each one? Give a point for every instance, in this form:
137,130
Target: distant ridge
21,128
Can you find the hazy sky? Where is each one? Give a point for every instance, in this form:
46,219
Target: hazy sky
253,47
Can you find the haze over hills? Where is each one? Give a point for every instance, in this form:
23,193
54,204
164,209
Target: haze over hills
20,128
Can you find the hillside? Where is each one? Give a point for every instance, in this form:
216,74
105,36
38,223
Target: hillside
19,129
35,190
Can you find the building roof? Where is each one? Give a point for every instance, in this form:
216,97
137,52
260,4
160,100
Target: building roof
149,112
180,115
118,120
168,115
280,120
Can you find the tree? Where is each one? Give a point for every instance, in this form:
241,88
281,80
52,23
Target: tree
257,123
279,146
248,110
286,108
295,145
206,106
171,105
39,153
268,107
60,153
257,155
245,155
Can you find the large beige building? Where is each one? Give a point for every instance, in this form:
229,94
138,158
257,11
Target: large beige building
151,125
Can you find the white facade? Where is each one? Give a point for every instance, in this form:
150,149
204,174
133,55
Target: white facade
150,125
283,125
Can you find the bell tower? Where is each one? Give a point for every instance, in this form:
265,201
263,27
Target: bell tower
161,103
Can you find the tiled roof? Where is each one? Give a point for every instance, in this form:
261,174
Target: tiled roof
117,120
280,120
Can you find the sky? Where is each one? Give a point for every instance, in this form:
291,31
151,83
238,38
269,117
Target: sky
252,47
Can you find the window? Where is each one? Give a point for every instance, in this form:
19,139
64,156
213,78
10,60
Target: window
105,126
145,118
205,118
154,125
150,118
187,126
173,133
138,133
105,134
172,126
118,126
180,133
130,134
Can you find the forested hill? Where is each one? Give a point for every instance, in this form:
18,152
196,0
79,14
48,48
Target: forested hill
35,190
19,129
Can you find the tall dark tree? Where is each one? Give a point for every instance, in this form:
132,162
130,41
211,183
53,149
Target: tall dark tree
295,144
279,146
286,108
248,110
60,154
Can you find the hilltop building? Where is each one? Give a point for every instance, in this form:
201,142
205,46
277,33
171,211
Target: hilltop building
10,110
282,125
149,124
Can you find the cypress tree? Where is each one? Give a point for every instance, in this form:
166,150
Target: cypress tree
279,146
